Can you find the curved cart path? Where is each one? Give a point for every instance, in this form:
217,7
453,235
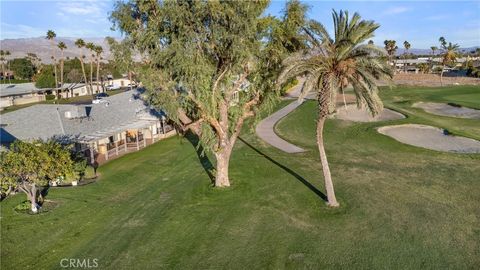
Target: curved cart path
265,129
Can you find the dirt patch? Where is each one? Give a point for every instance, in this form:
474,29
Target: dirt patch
353,113
448,110
431,138
432,80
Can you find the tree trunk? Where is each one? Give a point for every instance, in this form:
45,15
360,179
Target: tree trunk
441,76
84,75
61,73
332,200
223,160
33,199
98,74
91,74
323,112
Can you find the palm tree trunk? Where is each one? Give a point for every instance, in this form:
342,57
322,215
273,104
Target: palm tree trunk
98,74
61,73
323,112
332,200
91,74
84,74
441,75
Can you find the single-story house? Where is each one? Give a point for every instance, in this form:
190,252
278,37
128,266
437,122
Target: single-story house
103,131
18,94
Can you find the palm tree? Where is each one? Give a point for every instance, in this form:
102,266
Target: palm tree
332,63
449,56
433,48
61,45
7,54
406,45
80,43
51,36
98,51
90,46
2,60
391,48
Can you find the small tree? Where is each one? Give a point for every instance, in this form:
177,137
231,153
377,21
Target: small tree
46,78
450,52
28,166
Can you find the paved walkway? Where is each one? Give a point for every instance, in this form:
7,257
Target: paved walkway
265,129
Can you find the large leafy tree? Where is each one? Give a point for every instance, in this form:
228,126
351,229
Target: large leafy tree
23,68
209,64
29,166
334,62
449,55
122,55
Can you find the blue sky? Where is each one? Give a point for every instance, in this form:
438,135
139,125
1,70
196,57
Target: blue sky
419,22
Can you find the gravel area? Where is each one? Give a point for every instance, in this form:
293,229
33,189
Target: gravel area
431,138
353,113
448,110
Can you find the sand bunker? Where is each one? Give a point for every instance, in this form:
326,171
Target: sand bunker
431,138
352,113
448,110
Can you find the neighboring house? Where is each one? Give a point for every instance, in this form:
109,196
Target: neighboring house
75,90
102,131
119,83
18,94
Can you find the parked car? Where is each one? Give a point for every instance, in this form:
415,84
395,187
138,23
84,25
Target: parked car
113,87
101,95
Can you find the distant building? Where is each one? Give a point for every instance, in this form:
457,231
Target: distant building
18,94
121,124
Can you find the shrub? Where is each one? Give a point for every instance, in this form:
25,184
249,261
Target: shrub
50,97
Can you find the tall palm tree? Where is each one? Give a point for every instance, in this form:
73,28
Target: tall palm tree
80,43
433,48
98,51
51,36
61,45
406,45
90,46
335,62
7,54
391,48
450,52
2,60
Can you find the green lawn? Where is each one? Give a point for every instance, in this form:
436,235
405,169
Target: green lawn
402,207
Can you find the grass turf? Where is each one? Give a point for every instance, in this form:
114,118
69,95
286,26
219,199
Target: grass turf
403,207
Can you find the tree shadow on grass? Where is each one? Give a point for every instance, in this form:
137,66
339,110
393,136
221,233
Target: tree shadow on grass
202,156
288,170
